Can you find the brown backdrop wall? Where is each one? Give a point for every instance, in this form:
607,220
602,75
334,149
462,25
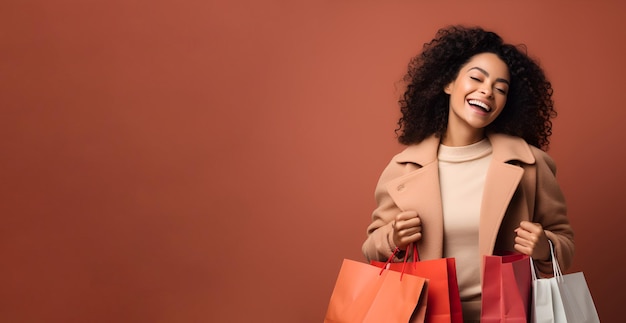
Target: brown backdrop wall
194,161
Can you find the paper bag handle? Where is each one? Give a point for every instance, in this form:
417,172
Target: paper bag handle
395,252
558,274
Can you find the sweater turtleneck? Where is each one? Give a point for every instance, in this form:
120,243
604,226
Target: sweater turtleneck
462,173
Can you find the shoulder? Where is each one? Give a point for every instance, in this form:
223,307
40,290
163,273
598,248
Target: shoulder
543,159
510,148
422,153
400,164
411,158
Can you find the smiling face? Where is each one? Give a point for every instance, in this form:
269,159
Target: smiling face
477,96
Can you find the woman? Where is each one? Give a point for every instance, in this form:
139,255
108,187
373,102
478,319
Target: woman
474,178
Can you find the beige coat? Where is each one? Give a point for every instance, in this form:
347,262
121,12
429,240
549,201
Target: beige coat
520,185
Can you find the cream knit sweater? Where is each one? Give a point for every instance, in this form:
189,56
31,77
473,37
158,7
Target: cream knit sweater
462,172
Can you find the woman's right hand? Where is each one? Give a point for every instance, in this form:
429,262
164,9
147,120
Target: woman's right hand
407,228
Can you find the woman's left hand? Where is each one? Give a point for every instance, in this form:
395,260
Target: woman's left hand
531,240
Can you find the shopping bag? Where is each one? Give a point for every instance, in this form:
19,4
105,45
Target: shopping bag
546,305
577,301
444,302
366,293
561,298
506,288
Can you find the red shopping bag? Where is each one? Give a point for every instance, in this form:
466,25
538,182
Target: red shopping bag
444,303
365,293
506,289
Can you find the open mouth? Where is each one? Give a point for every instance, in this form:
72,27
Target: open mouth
479,104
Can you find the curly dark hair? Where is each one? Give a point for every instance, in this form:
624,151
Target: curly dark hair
425,106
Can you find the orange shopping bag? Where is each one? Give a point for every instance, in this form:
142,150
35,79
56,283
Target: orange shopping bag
369,294
444,302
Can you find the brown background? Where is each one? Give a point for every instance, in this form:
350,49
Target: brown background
194,161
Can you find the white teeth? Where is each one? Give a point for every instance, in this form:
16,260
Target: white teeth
480,104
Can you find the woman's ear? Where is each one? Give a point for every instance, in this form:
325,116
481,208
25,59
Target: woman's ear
448,88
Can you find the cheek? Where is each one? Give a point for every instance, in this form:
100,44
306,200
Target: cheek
502,102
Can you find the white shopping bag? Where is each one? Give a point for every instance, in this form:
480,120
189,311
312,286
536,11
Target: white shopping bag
562,298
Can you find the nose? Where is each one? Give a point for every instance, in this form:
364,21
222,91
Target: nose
486,91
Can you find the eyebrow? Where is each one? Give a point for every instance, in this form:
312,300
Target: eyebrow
487,74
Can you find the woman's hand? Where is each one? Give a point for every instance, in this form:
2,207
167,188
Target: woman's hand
407,228
531,240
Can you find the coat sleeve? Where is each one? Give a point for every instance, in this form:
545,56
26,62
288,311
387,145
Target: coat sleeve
379,244
551,213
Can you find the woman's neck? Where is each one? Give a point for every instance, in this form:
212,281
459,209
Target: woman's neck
462,138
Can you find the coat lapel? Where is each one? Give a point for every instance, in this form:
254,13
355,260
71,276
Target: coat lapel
418,190
501,183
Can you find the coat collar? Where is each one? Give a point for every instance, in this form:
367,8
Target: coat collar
505,148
